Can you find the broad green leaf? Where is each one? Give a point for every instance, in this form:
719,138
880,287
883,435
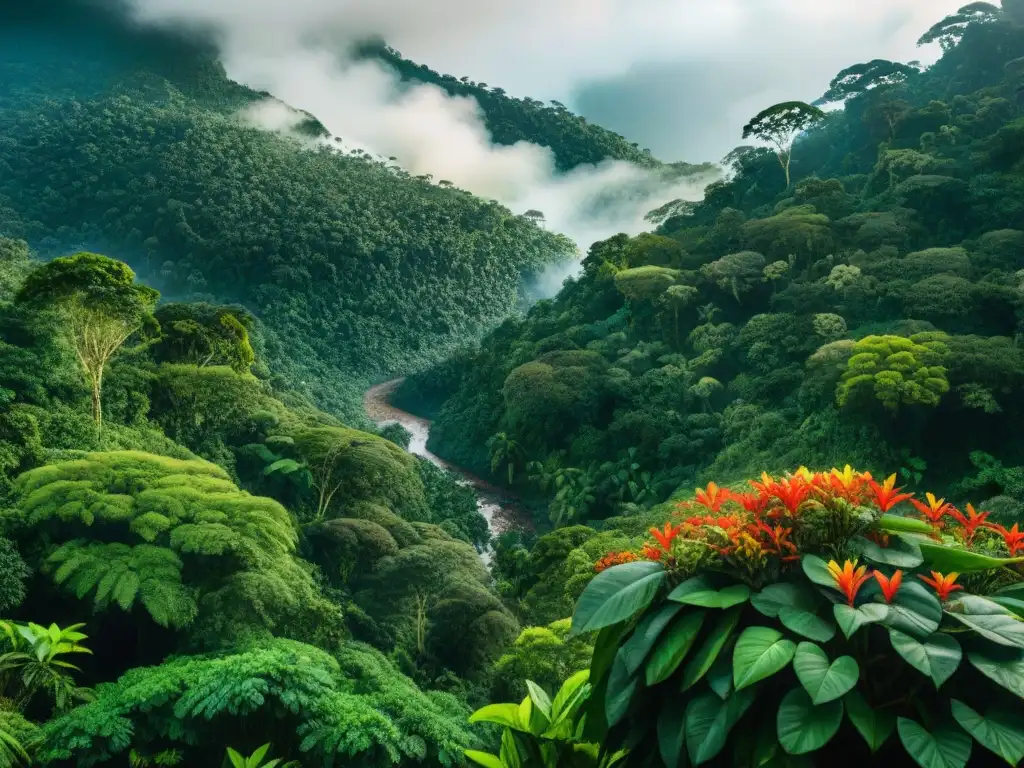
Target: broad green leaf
705,655
990,620
702,583
539,697
852,619
617,594
673,646
817,571
721,598
719,677
946,559
948,747
914,610
647,633
998,730
568,694
803,727
782,595
709,720
897,524
875,725
502,714
621,686
484,758
901,553
824,681
760,652
672,732
1003,665
606,646
808,624
1013,590
1012,604
937,657
509,754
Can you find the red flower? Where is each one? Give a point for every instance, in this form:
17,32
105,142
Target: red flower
751,502
943,585
848,484
890,586
775,540
886,495
934,510
665,536
1013,538
791,492
713,497
971,522
849,579
651,552
613,559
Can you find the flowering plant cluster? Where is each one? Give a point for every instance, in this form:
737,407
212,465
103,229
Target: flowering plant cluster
829,612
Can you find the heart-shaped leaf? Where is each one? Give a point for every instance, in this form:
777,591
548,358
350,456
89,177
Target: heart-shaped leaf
705,655
807,623
709,720
998,730
901,553
990,620
817,571
673,646
782,595
760,652
1003,665
852,619
937,657
948,747
803,727
647,633
617,594
824,681
875,725
914,611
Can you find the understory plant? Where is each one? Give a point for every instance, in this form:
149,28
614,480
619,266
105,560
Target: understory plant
806,621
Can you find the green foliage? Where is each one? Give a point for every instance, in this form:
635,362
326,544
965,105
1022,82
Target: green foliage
895,371
255,760
34,662
201,334
546,655
13,573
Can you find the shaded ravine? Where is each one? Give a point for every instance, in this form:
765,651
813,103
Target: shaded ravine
501,510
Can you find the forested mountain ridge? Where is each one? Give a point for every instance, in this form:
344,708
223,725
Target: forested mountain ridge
355,269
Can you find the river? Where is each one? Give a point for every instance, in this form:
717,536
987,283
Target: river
499,508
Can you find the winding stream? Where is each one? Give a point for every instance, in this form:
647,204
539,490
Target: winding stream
498,508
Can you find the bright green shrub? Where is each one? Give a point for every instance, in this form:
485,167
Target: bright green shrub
895,371
645,283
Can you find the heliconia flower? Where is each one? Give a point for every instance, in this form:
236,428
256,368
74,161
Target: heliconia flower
890,585
791,492
943,585
849,578
651,552
887,495
934,510
778,542
970,522
1014,538
666,535
713,497
848,484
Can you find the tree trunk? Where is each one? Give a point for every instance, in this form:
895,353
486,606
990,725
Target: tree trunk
97,403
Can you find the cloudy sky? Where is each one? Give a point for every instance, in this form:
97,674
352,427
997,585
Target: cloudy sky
679,76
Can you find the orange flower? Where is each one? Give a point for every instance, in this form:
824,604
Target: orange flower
971,521
848,577
775,540
791,492
714,497
665,536
651,552
614,558
848,484
943,585
887,495
751,502
934,510
1014,538
890,586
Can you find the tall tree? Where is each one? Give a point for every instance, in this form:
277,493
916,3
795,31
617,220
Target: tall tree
950,31
780,125
100,306
871,75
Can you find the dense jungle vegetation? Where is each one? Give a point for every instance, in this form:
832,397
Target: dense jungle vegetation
209,557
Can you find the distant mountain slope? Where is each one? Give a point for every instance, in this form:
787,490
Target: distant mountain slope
133,146
573,140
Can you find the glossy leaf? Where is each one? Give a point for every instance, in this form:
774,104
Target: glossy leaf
709,721
947,559
807,624
998,730
897,524
621,686
824,681
1012,604
875,725
722,598
760,652
701,583
509,754
672,647
539,697
705,655
1002,665
719,677
776,596
852,619
617,594
817,571
915,611
484,758
990,620
947,747
901,552
672,732
937,657
646,635
502,714
803,727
